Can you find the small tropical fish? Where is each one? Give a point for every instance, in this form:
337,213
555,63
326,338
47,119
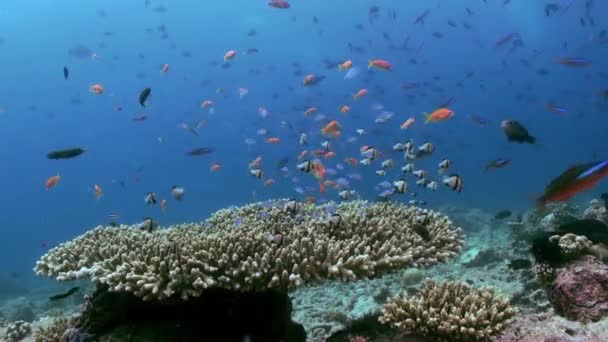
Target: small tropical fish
96,89
52,181
242,92
498,163
332,129
98,191
66,153
303,139
310,80
65,294
574,180
574,62
269,182
379,64
177,192
516,132
207,104
444,165
400,186
282,4
257,173
311,111
201,151
346,65
556,109
229,55
143,96
454,182
150,198
163,204
441,114
66,72
344,109
164,69
273,140
215,167
359,94
407,123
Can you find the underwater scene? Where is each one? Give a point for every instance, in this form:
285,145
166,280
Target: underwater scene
304,170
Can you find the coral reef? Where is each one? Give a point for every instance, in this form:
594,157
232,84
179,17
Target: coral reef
449,310
552,215
17,331
580,290
52,332
547,327
280,244
596,211
545,273
572,245
216,315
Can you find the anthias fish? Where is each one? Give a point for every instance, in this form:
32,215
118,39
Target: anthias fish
66,153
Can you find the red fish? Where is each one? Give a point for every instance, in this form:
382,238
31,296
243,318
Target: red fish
574,180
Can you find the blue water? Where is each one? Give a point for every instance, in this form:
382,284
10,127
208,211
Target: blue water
40,114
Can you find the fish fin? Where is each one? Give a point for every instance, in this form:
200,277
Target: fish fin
427,118
370,64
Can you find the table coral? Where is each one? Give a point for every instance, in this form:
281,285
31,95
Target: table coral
276,244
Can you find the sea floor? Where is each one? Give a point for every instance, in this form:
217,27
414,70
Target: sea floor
327,308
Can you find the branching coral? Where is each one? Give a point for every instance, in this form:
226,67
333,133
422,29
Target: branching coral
449,310
277,244
17,331
52,332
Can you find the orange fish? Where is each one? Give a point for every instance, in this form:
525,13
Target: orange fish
333,184
229,55
346,65
52,181
321,188
302,154
361,93
318,153
98,191
273,140
310,200
255,164
207,104
344,109
352,161
215,167
311,79
330,154
269,182
310,111
319,170
96,89
439,115
332,128
407,123
379,64
164,69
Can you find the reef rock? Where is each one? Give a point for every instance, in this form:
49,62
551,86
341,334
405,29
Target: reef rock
596,211
580,290
547,327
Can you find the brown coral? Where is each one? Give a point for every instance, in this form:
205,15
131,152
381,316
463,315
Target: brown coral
53,332
450,310
232,249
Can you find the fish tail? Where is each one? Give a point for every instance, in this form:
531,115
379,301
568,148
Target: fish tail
370,64
427,118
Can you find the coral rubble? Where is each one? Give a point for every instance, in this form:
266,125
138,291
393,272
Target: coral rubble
255,247
449,310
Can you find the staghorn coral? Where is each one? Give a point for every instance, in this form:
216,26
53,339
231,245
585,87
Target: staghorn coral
572,245
450,310
17,331
258,246
53,332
